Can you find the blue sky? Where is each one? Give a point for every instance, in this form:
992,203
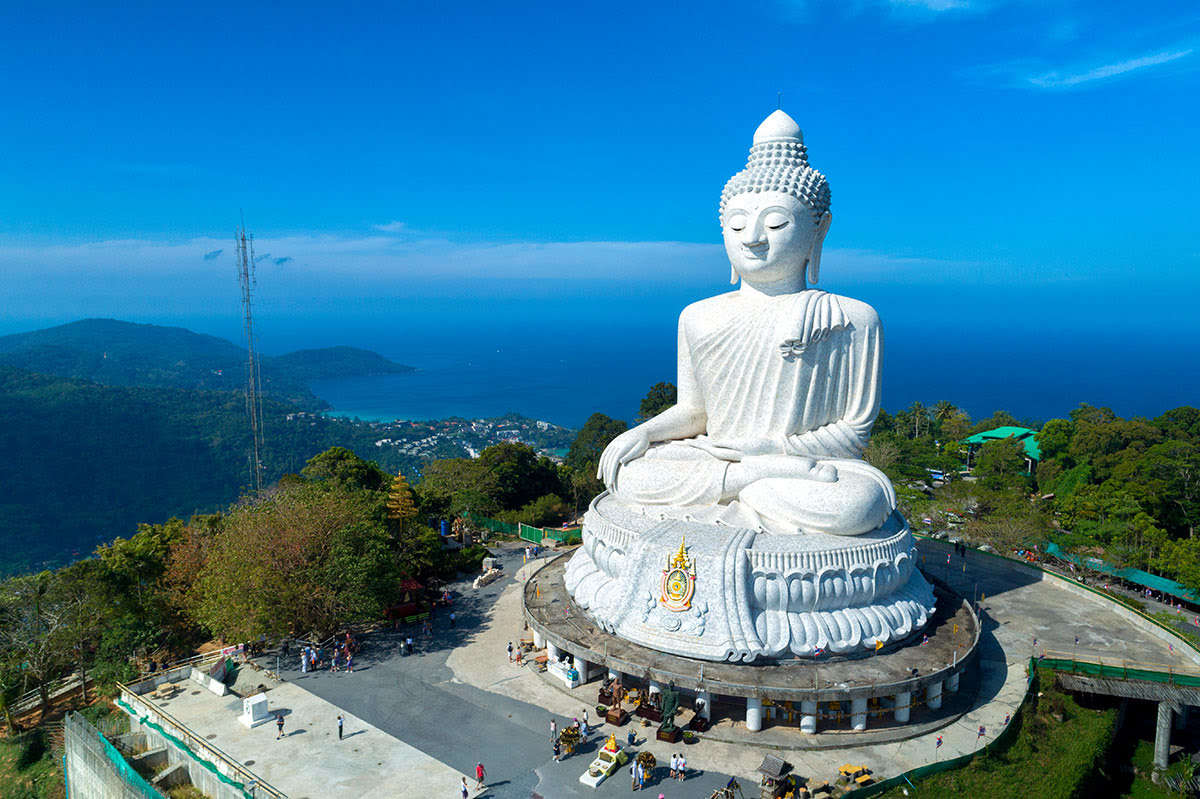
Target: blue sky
996,166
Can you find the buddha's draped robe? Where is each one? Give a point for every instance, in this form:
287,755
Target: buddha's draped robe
801,371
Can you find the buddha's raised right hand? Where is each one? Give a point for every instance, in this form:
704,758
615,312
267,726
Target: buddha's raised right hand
621,450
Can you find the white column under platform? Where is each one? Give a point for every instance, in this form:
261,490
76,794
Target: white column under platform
858,714
653,687
933,695
552,652
584,668
952,682
538,643
754,709
808,717
615,675
1162,736
903,706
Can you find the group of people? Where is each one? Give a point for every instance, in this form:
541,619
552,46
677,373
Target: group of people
341,659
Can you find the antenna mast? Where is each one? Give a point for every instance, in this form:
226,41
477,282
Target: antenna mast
248,283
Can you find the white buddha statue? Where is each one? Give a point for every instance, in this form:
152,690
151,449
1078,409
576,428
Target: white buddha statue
778,382
742,523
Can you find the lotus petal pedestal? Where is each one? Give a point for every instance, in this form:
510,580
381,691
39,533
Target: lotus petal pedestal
722,593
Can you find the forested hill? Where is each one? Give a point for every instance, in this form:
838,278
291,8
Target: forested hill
84,463
118,353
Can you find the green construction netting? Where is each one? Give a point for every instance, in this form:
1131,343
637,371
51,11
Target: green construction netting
145,720
492,524
127,772
1118,672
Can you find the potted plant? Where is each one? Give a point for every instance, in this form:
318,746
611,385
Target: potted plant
689,737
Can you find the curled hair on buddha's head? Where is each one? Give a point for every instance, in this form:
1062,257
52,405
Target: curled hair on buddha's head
779,162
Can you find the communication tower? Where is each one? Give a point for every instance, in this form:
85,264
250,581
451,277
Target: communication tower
254,408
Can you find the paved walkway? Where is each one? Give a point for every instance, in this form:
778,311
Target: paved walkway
309,762
458,700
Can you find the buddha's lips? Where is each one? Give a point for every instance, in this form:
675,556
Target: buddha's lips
755,251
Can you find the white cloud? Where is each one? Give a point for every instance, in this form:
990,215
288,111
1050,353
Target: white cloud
936,6
1060,80
392,227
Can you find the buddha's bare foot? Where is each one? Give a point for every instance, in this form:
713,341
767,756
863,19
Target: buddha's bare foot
761,467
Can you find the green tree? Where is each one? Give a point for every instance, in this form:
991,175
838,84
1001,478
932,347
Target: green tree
340,465
305,558
1000,465
997,419
597,432
1054,441
660,397
32,622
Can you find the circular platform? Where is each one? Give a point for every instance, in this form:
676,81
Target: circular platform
929,658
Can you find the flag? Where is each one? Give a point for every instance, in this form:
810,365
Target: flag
1035,642
1007,718
1077,640
878,644
947,558
1172,648
924,640
818,651
982,731
939,742
956,628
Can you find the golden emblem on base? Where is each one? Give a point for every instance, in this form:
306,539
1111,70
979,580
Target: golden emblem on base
678,580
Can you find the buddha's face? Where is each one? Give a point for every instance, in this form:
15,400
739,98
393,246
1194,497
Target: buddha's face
769,237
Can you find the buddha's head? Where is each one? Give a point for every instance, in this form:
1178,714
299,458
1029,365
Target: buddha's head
775,212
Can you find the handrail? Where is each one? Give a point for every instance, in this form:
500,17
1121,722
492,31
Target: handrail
195,741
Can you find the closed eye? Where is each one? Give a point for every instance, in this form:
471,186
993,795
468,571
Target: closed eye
776,220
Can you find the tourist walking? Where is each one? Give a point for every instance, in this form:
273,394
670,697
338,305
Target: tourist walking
674,764
480,773
641,776
510,651
341,723
279,725
453,619
465,792
681,769
633,767
553,730
557,749
349,662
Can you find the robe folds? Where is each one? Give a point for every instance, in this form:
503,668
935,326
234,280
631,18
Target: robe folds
793,375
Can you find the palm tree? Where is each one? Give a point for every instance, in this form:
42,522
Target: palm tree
920,417
944,410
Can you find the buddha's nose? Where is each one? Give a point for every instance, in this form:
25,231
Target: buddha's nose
755,241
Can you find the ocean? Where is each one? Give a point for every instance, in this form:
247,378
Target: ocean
1035,372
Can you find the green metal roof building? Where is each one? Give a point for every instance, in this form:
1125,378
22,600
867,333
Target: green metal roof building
1024,436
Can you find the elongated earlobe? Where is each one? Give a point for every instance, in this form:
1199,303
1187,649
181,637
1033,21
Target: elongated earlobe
733,278
814,255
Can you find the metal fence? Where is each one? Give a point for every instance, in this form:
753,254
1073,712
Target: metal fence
95,768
